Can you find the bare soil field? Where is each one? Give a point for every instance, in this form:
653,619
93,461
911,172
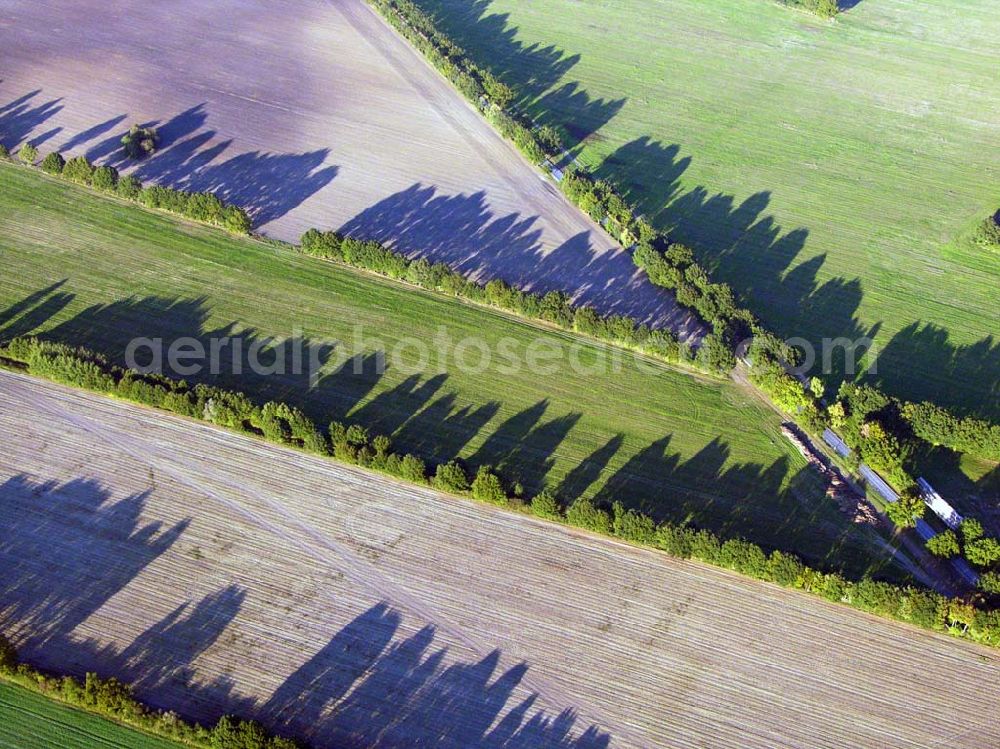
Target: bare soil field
222,573
308,113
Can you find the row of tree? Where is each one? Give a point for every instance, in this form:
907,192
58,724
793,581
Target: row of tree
672,266
352,443
474,82
111,698
554,307
198,206
971,543
888,433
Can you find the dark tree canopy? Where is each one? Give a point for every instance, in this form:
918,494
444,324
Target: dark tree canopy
140,141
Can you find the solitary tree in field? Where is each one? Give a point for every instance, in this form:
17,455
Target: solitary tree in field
140,142
988,233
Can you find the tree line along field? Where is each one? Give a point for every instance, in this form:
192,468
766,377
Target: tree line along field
346,127
96,272
349,609
830,172
31,721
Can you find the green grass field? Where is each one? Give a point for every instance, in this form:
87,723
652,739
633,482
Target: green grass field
831,172
88,269
31,721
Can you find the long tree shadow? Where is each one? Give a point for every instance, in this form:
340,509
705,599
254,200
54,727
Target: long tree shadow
68,548
189,157
323,378
463,232
424,417
532,70
522,446
368,689
20,117
267,185
768,508
928,347
744,247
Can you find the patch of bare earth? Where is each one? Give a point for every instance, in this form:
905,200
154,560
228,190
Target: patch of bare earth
222,573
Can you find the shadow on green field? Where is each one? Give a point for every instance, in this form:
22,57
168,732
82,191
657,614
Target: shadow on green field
736,240
743,246
424,417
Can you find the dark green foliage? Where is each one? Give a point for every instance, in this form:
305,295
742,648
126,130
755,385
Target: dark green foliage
553,307
233,733
53,163
983,552
199,206
675,540
938,426
4,153
705,546
822,8
236,220
549,139
785,569
139,142
451,477
325,244
632,526
744,556
971,530
877,597
786,391
412,468
113,699
989,582
105,179
78,169
129,187
907,510
673,266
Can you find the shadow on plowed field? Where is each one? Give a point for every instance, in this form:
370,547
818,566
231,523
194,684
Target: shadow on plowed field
368,686
188,157
462,231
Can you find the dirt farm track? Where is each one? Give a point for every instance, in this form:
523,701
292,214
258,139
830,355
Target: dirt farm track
308,113
221,573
